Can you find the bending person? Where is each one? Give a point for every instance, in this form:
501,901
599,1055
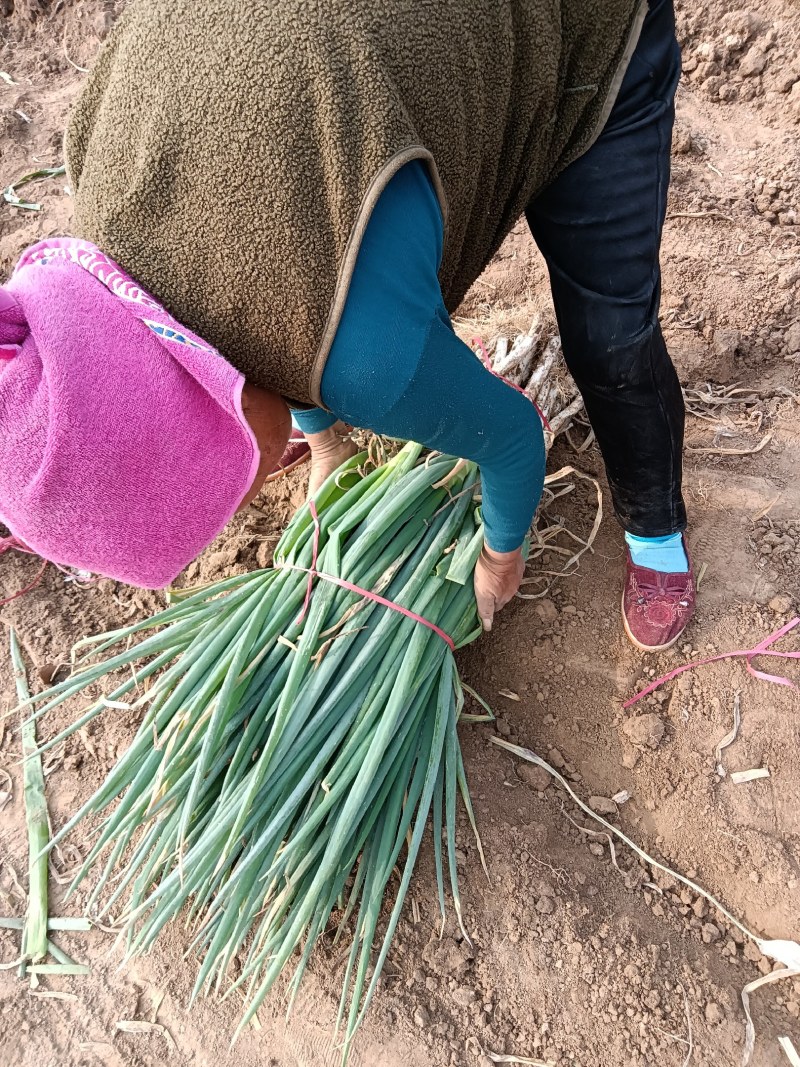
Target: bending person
276,215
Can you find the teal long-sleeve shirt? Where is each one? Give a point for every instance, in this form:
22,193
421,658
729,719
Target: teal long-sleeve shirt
396,367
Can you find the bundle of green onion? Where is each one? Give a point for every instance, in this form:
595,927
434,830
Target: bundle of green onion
285,755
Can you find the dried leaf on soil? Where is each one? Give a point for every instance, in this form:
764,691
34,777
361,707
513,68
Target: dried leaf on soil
497,1057
141,1026
751,987
790,1051
730,737
742,777
51,994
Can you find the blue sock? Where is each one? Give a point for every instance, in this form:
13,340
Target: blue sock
665,554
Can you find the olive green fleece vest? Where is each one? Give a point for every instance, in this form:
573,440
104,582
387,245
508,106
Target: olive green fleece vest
229,156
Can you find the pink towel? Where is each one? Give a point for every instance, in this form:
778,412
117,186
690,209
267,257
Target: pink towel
123,447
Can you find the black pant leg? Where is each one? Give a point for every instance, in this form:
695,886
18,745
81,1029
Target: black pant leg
599,228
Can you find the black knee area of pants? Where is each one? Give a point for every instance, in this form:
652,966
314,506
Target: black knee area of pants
602,360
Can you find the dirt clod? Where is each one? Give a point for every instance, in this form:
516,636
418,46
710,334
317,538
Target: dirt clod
753,62
555,758
752,952
547,611
446,957
644,730
48,671
603,806
536,777
710,933
781,604
630,757
713,1013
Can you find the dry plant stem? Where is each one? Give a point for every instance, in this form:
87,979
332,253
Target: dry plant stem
566,570
500,352
731,451
561,421
783,951
701,575
585,443
34,934
82,70
497,1057
690,1039
508,363
699,401
743,777
52,994
767,508
714,214
595,833
730,737
787,1046
751,987
542,371
140,1026
512,366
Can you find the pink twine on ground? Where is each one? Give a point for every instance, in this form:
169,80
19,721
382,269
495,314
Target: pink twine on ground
14,542
761,649
488,364
313,573
7,543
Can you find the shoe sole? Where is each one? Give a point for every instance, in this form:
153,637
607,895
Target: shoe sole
638,644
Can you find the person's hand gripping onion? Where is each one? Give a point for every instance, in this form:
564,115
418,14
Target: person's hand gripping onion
497,579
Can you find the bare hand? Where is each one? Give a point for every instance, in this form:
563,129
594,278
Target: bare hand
497,578
329,449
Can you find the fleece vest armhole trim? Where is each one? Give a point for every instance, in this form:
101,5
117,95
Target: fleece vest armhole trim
370,199
616,84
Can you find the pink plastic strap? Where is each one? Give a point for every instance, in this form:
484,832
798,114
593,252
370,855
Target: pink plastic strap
488,364
761,649
313,573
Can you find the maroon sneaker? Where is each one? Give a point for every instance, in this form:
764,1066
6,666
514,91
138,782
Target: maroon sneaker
656,607
297,451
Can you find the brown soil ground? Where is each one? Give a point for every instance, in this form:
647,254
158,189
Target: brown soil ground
574,961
